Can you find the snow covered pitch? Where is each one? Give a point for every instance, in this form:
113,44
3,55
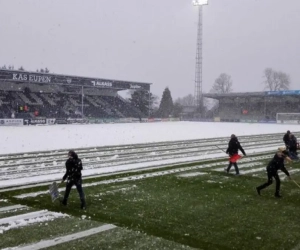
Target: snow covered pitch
38,138
166,194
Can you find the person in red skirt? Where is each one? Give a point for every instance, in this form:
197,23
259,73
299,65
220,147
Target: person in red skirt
233,149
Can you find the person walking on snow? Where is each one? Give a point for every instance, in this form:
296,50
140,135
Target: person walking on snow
293,146
74,177
277,163
286,139
233,148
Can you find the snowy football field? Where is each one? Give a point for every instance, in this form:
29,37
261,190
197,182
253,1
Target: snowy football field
147,187
39,138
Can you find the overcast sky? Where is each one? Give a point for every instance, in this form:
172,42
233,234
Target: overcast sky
153,40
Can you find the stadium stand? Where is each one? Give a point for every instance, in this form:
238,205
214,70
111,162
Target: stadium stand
255,106
29,95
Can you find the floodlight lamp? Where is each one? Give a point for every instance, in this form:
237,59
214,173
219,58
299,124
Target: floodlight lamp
200,2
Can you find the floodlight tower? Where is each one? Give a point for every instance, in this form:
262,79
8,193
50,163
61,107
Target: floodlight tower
198,100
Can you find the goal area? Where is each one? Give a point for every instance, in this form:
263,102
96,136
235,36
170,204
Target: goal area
288,118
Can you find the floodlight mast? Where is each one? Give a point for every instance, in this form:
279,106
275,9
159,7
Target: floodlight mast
200,2
198,100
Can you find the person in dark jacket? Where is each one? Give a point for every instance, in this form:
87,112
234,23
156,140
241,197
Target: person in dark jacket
293,145
286,139
277,163
233,148
74,177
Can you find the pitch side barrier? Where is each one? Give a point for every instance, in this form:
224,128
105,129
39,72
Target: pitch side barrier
11,122
54,121
217,119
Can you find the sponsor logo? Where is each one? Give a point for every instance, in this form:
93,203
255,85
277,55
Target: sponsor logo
102,84
11,121
61,121
51,121
31,78
135,86
290,121
284,92
37,121
20,77
74,120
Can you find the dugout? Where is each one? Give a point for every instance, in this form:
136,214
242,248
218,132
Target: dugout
268,106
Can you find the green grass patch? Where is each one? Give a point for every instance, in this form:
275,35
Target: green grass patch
14,212
120,238
113,176
4,203
212,211
45,230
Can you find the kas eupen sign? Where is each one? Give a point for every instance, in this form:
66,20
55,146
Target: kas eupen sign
31,78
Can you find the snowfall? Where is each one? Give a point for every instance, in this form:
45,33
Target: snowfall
54,137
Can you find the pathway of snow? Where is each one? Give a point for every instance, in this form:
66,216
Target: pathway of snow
193,174
27,219
149,175
18,181
37,138
11,208
63,239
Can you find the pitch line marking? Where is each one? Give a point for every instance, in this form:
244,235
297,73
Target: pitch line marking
63,239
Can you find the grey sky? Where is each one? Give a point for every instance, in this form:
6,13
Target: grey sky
153,40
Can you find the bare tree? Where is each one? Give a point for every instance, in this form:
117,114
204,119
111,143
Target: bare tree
186,100
276,80
223,84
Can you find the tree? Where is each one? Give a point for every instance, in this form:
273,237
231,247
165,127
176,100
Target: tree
42,71
177,109
211,107
4,67
47,70
276,80
223,84
140,99
166,104
186,100
21,68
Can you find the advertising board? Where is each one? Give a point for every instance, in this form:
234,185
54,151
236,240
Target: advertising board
11,122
